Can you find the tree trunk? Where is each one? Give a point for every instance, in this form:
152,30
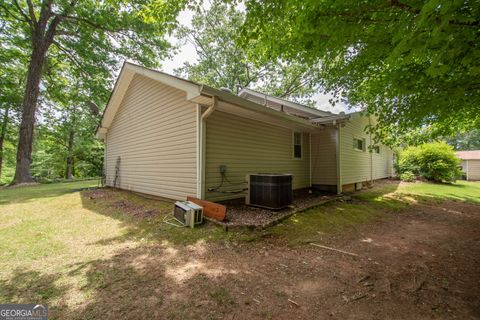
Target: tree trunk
3,133
29,108
42,36
69,171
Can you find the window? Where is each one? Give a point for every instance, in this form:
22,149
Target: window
359,144
297,145
376,149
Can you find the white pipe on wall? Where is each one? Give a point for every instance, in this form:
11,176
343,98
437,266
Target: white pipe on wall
201,147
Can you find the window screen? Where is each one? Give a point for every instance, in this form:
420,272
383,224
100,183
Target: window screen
359,144
297,145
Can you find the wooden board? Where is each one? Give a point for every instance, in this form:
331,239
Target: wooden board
210,209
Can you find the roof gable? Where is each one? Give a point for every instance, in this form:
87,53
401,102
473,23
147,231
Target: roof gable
123,82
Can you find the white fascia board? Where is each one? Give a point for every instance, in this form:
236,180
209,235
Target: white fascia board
101,133
331,119
245,92
251,107
192,89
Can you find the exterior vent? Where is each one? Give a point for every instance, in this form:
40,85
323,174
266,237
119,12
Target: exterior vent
188,213
269,190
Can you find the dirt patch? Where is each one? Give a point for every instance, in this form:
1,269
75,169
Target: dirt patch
124,206
135,210
420,264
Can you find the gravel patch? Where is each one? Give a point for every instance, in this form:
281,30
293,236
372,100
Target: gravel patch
240,215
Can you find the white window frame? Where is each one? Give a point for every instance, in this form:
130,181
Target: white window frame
293,145
364,144
374,147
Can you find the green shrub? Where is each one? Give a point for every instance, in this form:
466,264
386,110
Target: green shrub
434,161
408,176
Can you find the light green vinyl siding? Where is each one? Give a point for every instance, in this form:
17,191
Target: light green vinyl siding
249,146
360,166
324,157
382,163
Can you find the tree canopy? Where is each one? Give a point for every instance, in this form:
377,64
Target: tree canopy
411,63
223,63
81,40
465,141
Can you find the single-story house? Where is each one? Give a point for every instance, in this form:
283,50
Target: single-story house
170,137
470,163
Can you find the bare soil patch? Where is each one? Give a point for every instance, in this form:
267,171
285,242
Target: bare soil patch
127,207
419,263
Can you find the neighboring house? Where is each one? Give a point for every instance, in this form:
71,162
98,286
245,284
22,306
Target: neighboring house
470,163
170,137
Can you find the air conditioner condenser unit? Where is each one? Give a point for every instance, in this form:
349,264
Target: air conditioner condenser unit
188,213
269,190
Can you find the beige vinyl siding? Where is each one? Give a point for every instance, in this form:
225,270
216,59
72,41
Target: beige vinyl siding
249,146
324,159
360,166
473,169
154,133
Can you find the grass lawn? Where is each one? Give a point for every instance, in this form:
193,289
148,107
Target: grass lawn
309,226
462,190
61,246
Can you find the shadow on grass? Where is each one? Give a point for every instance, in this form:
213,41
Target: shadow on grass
30,287
148,282
459,191
22,194
174,276
153,282
144,219
432,197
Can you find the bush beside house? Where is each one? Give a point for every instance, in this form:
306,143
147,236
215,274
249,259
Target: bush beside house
433,161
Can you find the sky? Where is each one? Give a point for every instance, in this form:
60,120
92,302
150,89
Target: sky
187,53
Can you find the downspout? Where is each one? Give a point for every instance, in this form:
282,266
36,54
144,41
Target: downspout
466,162
310,155
105,164
201,151
371,150
339,167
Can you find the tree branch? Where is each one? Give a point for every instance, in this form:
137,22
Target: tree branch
23,14
31,11
71,57
398,4
11,14
93,24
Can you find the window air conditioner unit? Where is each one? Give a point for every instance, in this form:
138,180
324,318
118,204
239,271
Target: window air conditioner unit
269,190
188,213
